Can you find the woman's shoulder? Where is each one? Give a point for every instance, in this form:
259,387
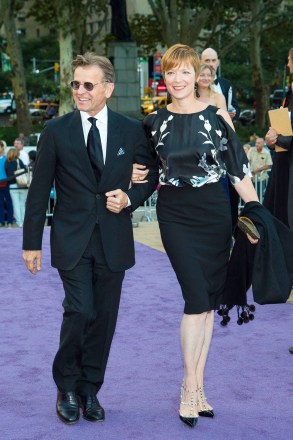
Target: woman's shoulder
154,117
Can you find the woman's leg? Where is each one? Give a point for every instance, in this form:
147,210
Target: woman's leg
15,202
9,206
22,200
192,334
208,332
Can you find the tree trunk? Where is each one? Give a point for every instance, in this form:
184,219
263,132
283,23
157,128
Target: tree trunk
24,122
260,88
66,52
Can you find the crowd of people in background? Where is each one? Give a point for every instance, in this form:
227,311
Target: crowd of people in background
12,196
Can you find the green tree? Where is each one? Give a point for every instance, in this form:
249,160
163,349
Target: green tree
237,30
146,30
68,17
45,51
13,49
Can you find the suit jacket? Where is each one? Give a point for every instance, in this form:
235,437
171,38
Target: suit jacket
225,86
278,197
62,158
286,142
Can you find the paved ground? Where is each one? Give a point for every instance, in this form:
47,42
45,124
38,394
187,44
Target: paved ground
148,233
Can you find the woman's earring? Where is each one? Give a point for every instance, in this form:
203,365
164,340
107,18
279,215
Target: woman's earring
196,90
169,98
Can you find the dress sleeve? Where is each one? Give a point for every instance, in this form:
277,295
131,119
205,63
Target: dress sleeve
232,154
149,127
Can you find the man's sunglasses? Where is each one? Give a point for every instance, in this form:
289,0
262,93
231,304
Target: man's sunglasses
88,86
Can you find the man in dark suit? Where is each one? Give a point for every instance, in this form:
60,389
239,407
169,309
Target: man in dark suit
90,161
222,85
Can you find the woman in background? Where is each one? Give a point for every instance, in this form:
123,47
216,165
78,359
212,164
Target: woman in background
204,89
18,195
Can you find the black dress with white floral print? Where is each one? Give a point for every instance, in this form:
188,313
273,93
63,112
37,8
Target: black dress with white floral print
195,149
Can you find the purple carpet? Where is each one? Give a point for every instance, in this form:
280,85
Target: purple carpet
248,379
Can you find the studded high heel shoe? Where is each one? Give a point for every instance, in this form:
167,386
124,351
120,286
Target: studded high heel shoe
204,411
188,398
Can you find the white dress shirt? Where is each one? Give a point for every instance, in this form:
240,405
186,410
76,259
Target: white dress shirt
217,87
102,125
24,157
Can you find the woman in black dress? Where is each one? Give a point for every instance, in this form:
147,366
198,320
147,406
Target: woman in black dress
196,145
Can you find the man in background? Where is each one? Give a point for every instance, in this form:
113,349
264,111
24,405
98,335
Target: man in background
19,144
221,85
260,160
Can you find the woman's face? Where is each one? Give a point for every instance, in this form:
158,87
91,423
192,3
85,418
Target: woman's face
180,81
290,63
205,78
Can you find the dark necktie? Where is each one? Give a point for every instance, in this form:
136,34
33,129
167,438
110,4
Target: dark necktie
94,148
216,81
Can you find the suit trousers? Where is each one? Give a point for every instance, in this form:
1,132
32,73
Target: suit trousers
92,296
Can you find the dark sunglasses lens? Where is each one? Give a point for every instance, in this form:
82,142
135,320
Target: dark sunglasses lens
75,85
88,86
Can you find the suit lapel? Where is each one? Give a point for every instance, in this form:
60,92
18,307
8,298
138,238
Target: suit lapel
77,140
224,88
113,137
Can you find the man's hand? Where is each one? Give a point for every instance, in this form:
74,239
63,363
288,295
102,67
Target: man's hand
271,137
139,173
33,261
116,200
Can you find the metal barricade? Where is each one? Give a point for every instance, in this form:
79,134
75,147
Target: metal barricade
149,208
259,185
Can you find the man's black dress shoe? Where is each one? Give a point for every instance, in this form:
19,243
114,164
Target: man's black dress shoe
67,407
92,410
291,348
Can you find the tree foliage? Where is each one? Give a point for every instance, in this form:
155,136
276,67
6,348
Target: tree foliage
76,19
69,18
239,31
147,31
13,49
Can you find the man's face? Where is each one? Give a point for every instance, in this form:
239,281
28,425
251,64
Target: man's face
18,145
210,57
259,144
91,102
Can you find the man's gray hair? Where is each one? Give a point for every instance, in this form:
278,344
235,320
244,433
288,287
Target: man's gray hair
19,139
92,59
